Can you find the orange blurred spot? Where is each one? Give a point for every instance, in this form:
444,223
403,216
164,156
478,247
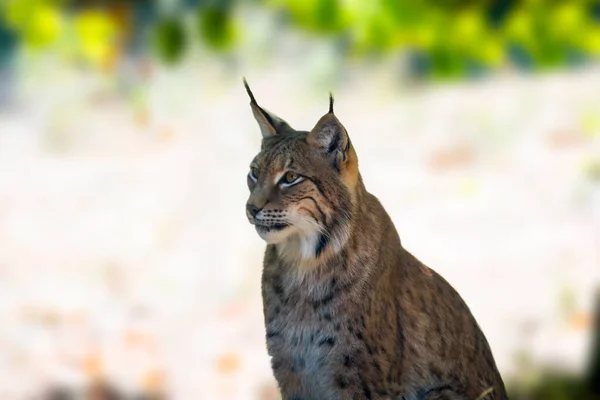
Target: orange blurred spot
167,134
77,318
581,321
153,380
228,363
50,318
92,365
142,117
561,139
133,338
452,157
234,309
110,60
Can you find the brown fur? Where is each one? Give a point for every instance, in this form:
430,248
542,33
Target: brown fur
349,313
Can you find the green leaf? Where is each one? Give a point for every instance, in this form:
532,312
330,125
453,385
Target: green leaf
38,22
170,40
216,26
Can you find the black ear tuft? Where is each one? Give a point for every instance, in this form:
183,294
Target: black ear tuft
270,124
330,103
249,91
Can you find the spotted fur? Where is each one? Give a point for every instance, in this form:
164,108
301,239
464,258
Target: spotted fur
349,313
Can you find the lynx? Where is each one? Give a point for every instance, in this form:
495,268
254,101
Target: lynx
349,313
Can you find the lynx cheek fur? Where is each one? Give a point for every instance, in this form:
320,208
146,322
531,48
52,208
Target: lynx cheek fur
349,313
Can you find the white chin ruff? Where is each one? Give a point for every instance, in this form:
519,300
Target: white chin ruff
299,247
273,236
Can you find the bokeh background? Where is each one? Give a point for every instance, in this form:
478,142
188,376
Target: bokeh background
127,266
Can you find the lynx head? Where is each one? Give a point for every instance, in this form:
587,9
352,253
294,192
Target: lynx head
302,184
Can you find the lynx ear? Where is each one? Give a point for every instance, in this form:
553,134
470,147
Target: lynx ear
270,125
330,137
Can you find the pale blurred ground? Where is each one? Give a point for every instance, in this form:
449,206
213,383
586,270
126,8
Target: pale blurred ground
125,251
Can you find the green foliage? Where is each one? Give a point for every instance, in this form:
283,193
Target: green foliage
441,38
553,386
95,37
215,26
319,16
454,37
170,40
38,22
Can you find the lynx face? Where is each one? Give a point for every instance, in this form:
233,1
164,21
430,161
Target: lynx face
301,184
285,199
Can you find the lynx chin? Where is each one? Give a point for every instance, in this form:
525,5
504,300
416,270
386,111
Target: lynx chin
349,313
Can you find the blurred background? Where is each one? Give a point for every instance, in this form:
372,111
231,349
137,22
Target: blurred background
127,266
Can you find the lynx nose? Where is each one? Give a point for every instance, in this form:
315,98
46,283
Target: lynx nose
252,210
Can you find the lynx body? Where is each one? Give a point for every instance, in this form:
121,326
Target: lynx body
349,313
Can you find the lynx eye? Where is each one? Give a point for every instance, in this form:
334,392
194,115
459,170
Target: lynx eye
290,178
253,174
